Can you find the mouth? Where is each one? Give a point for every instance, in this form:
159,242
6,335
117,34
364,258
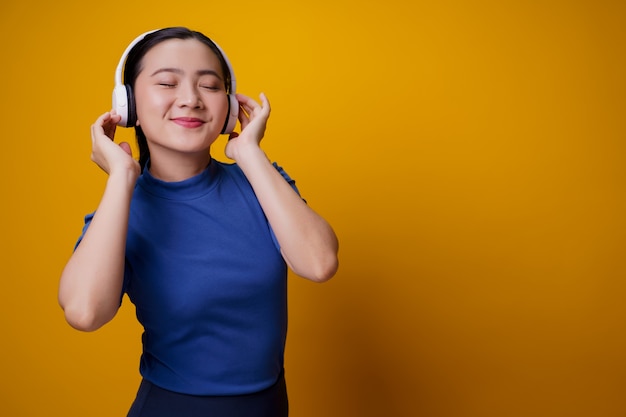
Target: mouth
188,122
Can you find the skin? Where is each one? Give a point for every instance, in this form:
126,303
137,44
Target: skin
181,107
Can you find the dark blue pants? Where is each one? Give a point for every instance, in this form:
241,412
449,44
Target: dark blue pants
153,401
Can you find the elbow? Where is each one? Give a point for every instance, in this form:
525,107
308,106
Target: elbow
317,265
84,323
83,319
327,264
323,270
327,270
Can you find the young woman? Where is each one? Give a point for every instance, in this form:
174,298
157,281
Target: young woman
201,247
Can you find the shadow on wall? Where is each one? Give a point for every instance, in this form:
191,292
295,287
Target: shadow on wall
368,347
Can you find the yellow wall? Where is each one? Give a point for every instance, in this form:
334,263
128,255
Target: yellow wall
470,156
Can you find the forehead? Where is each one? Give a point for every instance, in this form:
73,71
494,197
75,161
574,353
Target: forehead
186,54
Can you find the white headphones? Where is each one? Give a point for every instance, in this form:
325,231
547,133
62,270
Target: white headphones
124,99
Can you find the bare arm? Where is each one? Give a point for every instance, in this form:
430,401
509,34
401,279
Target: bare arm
91,283
307,241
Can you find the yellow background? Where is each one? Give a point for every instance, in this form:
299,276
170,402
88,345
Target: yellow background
470,156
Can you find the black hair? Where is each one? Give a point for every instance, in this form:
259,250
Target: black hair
133,67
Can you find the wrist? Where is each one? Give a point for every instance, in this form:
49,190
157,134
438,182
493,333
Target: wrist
124,177
249,154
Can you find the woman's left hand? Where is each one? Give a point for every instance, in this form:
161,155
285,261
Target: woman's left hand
307,242
253,118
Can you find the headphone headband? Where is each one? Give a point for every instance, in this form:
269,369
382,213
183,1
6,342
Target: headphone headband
120,65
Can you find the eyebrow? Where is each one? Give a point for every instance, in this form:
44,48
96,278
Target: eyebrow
180,71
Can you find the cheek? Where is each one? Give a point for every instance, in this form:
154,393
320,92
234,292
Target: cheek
147,104
220,105
147,99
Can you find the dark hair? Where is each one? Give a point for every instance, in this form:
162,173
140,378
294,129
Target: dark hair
133,67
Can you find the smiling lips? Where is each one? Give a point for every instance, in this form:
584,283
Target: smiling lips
188,122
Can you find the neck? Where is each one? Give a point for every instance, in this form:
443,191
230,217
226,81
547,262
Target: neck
174,168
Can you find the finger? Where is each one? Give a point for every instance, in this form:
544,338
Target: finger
265,103
252,107
103,119
247,103
249,109
244,119
107,124
243,111
97,126
109,127
126,147
115,118
242,97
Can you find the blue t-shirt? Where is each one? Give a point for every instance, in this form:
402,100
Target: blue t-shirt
208,281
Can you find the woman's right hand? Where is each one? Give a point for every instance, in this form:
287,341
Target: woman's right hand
92,280
109,156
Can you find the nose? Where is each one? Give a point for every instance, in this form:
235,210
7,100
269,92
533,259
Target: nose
188,96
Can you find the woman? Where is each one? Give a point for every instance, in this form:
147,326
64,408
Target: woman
201,247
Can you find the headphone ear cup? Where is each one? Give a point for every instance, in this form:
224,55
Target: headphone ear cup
124,105
132,110
233,113
120,104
